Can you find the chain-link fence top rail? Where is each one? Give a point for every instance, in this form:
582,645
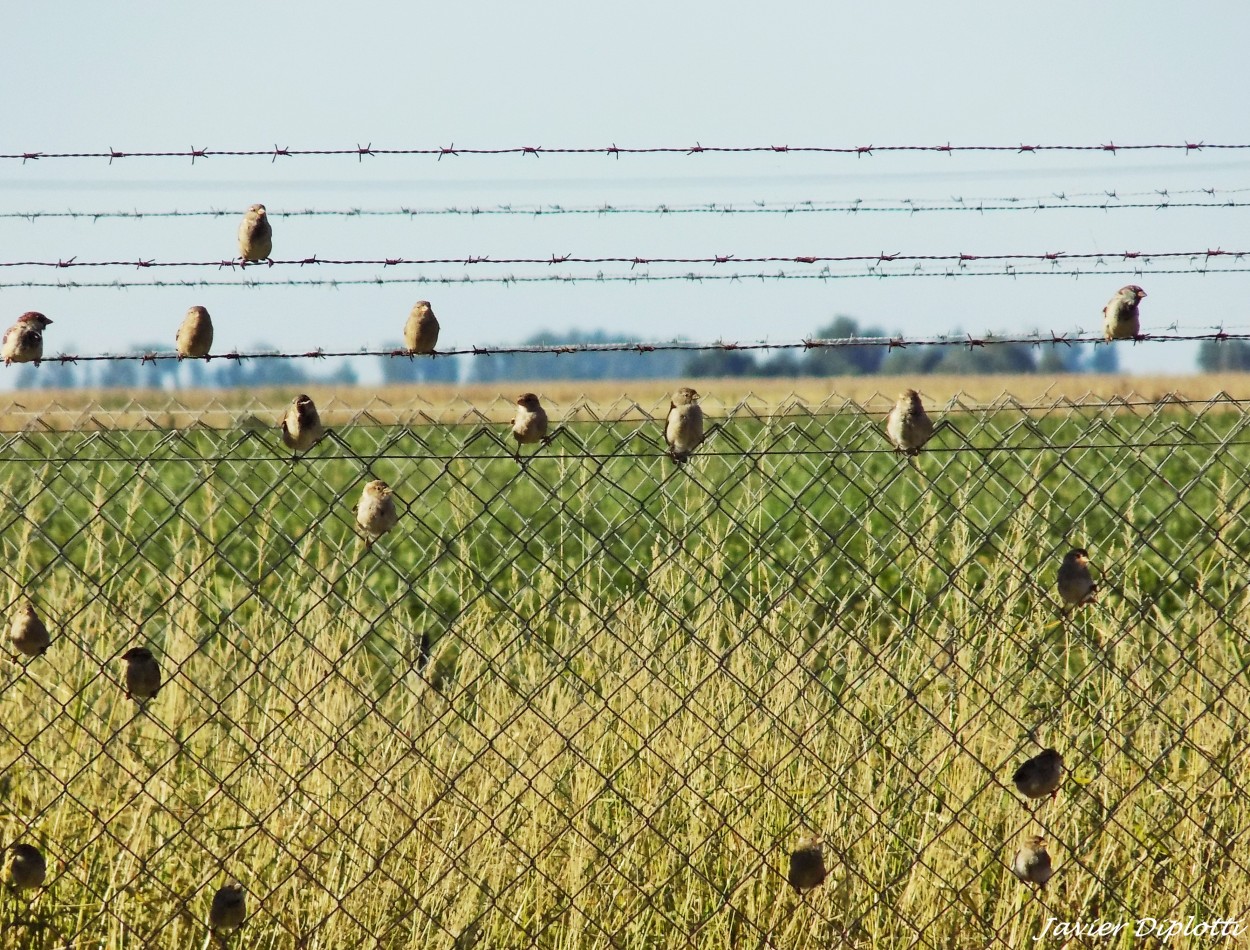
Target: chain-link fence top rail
594,698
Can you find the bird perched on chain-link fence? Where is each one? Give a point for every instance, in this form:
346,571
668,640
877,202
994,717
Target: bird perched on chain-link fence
1032,862
301,424
807,863
28,633
1040,776
229,908
376,512
683,428
908,426
1076,580
142,674
529,425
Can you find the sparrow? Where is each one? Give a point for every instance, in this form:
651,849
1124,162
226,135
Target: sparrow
1119,316
255,235
143,674
683,430
301,426
229,907
1076,584
807,863
1040,775
908,426
530,423
23,342
28,633
1032,863
25,867
376,513
195,335
421,330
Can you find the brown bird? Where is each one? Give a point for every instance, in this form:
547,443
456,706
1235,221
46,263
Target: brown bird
25,867
1032,863
23,342
375,512
27,632
1040,775
1120,317
421,330
807,863
143,674
908,426
229,908
529,425
683,429
255,235
195,335
301,425
1076,582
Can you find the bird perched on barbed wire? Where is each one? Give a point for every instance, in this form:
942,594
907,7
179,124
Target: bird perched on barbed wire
529,425
25,867
1040,775
142,675
1032,862
229,908
27,632
301,424
908,426
195,335
376,512
1076,581
683,429
23,342
421,330
807,863
1120,317
255,235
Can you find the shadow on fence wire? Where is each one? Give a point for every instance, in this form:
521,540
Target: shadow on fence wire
594,698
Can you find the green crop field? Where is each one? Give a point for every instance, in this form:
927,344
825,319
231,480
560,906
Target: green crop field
594,699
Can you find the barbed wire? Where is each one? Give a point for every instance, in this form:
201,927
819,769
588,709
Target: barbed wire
636,261
612,151
896,342
1055,202
630,278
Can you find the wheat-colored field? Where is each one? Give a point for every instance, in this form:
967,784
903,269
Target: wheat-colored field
593,700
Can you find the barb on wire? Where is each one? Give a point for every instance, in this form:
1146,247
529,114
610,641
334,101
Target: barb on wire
359,152
961,258
1160,200
961,340
640,277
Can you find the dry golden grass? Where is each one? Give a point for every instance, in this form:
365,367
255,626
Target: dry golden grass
643,683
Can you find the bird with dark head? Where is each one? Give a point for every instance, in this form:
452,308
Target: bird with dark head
1076,580
807,863
301,425
142,674
23,342
229,908
25,867
1040,775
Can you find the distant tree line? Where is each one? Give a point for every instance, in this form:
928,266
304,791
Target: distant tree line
624,365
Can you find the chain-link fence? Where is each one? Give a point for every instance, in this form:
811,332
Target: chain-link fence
596,699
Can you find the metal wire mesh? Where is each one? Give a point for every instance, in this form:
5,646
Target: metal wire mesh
592,698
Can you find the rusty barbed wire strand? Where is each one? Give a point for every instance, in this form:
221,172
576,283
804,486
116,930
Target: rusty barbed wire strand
897,342
630,278
1110,201
636,261
360,152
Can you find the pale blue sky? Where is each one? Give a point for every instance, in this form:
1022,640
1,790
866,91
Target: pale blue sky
315,74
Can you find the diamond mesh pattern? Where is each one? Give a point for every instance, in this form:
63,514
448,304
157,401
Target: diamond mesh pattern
592,699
